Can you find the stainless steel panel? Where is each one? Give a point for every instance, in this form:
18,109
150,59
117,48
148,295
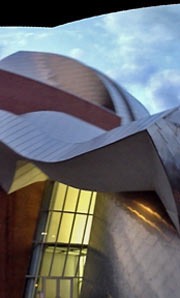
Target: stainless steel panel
134,249
139,156
60,72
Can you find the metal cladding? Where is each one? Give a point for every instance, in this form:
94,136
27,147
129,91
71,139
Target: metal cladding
135,245
69,75
68,133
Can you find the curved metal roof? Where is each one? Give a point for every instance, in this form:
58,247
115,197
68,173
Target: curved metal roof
75,77
60,72
133,157
21,95
67,146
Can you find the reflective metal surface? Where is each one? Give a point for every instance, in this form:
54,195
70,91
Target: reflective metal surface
126,106
134,249
73,76
134,245
138,154
60,72
29,95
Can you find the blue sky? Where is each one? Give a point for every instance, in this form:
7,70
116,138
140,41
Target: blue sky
139,48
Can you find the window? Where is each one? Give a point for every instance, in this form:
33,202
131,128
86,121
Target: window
61,244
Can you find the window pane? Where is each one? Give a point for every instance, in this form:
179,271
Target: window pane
78,230
88,230
50,288
54,219
71,199
46,261
65,229
84,201
58,196
75,262
58,262
93,203
71,263
65,288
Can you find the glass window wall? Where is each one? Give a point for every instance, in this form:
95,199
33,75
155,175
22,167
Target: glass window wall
61,244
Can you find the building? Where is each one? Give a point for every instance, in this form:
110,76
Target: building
90,188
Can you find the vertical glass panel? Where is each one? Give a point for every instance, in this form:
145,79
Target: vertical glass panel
88,230
50,288
93,203
65,229
84,201
58,196
71,263
58,262
54,219
78,230
47,288
46,261
71,199
79,281
76,287
81,265
81,262
65,288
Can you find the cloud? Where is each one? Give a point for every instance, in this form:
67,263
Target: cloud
142,34
163,91
76,53
145,53
138,48
15,39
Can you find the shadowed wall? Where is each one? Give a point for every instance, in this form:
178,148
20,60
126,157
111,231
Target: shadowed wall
133,250
18,218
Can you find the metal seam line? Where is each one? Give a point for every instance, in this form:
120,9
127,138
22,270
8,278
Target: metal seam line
51,145
58,229
10,122
51,149
24,141
32,144
16,130
71,233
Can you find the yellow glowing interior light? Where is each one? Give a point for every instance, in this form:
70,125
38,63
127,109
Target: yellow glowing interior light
68,230
58,196
66,199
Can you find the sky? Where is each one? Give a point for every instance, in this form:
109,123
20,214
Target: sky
138,48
